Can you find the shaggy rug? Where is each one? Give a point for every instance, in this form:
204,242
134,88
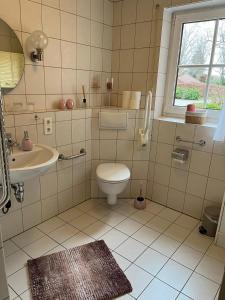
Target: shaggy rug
87,272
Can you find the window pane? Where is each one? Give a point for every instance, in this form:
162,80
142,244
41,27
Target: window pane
219,57
190,86
196,45
216,92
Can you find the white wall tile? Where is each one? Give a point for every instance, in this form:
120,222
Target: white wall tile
30,16
200,162
178,179
162,174
166,132
51,21
83,30
31,215
217,167
196,184
68,27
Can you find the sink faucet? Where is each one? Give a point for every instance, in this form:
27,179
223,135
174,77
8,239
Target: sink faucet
10,142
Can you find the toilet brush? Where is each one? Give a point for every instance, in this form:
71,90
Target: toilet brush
140,202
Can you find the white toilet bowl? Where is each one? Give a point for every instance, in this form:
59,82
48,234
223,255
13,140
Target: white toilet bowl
112,180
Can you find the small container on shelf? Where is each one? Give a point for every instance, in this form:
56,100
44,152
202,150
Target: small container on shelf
62,104
26,144
191,107
69,104
197,117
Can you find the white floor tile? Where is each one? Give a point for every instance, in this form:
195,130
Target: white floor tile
211,268
88,205
142,216
122,262
197,241
138,278
174,274
27,237
26,295
51,224
216,252
187,222
157,290
55,250
12,294
114,238
125,209
9,248
19,281
99,212
154,207
40,247
63,233
77,240
113,218
158,224
199,288
16,261
177,232
97,229
187,256
169,214
70,214
146,235
165,245
182,297
131,249
83,221
151,261
128,226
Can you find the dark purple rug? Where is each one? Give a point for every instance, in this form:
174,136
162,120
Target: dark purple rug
87,272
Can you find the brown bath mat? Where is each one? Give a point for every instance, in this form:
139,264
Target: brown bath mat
87,272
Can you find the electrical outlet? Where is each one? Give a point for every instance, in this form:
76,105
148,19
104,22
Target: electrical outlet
47,126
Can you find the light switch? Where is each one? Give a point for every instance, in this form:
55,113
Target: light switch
47,126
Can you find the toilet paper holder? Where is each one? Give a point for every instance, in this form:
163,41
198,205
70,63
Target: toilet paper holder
180,155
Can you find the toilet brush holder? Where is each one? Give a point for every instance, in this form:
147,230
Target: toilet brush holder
140,202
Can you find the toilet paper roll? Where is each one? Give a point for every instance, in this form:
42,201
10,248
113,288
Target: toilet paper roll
179,161
126,99
135,100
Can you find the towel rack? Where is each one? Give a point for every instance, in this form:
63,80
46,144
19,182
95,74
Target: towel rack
63,157
200,142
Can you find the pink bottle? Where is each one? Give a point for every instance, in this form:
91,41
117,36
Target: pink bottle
62,104
26,144
69,104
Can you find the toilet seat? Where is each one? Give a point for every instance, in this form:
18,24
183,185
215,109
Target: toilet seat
113,172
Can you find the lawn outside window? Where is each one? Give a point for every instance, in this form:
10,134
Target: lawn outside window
196,70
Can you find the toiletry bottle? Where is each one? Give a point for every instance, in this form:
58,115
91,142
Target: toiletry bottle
26,144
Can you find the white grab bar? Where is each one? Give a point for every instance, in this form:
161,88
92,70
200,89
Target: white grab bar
144,132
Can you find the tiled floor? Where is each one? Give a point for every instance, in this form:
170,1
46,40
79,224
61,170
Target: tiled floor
160,250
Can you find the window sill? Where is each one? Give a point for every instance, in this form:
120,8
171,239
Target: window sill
182,121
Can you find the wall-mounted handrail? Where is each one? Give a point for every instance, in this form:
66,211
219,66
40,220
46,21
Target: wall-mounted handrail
200,142
63,157
6,185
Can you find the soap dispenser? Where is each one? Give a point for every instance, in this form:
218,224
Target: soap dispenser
26,144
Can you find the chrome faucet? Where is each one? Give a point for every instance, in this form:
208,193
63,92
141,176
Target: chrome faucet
10,142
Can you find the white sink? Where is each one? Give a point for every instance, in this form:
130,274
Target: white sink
25,165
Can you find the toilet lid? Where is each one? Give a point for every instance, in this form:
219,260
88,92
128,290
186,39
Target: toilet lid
113,172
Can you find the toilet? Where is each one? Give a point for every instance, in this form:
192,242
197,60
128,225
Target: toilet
112,180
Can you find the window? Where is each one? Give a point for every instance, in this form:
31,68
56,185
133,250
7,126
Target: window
197,61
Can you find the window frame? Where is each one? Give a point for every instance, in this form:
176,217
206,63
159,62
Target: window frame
178,19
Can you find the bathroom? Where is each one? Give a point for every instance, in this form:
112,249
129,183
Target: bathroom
96,51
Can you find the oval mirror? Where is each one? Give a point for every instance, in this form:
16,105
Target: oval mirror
11,58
